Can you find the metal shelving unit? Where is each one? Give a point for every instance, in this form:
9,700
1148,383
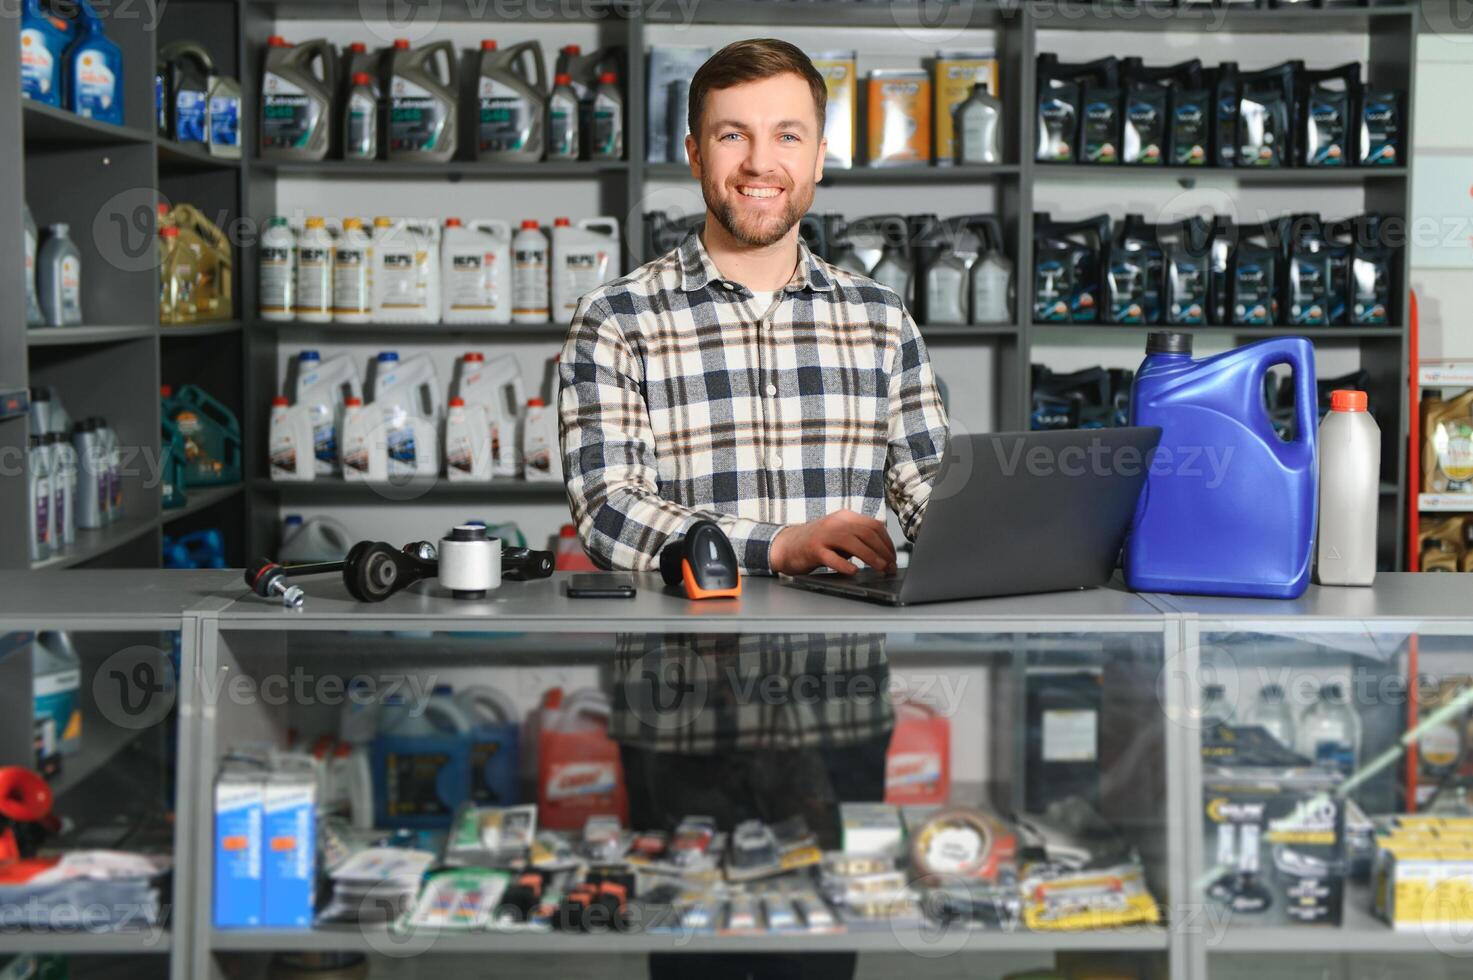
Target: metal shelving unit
1019,37
69,152
103,181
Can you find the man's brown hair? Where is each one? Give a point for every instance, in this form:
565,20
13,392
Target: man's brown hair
749,61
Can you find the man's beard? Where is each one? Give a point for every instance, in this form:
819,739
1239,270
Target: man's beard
758,232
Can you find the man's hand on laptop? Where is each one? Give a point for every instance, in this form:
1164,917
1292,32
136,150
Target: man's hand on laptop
830,541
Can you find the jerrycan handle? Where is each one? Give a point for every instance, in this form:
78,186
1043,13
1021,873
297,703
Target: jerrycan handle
432,57
609,226
1298,354
534,49
318,51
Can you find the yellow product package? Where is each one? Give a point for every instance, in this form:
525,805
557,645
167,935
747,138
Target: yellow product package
841,78
898,117
956,74
1447,453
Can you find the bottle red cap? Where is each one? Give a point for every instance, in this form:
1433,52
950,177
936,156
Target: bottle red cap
572,49
1347,400
457,402
488,45
362,78
279,401
529,224
358,47
452,222
401,43
277,41
353,401
561,223
567,531
608,78
562,78
169,231
166,391
474,357
536,403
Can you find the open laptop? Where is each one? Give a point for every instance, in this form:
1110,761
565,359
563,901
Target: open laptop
1013,513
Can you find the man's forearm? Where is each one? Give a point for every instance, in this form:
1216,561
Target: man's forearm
629,526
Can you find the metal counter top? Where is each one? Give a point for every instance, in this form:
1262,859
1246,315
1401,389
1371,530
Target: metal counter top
106,599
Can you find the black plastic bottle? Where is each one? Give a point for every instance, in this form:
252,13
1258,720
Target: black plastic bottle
1266,116
1187,251
1133,273
1254,280
1306,288
1066,268
1326,105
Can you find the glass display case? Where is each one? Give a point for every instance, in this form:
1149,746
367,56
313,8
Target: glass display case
1085,784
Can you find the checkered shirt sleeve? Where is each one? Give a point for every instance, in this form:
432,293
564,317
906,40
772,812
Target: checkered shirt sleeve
681,400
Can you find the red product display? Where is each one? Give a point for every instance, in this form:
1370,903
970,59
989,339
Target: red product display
579,774
918,764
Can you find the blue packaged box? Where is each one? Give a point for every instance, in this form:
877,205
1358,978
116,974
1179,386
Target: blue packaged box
290,870
240,795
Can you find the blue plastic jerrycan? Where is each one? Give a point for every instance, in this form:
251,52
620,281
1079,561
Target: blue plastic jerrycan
1228,507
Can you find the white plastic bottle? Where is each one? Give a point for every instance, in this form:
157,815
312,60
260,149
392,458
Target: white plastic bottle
992,277
406,271
562,120
583,258
56,462
66,454
320,388
39,500
365,458
542,459
1350,468
606,142
352,281
91,475
114,462
59,278
529,275
406,400
475,264
1330,731
278,287
33,245
290,440
314,273
1271,712
467,443
496,386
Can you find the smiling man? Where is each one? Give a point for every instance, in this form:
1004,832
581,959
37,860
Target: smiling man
740,378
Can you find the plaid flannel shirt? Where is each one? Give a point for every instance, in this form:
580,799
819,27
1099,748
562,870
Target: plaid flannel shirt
718,693
681,400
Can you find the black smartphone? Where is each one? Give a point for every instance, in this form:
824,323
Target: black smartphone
599,587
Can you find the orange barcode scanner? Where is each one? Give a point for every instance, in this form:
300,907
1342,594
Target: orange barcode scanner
702,562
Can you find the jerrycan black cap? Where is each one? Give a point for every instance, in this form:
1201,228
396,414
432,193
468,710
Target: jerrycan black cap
1168,342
